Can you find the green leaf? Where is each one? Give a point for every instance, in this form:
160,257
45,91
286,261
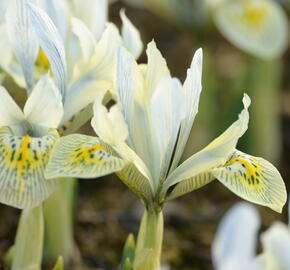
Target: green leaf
59,264
82,156
128,253
190,184
253,179
29,240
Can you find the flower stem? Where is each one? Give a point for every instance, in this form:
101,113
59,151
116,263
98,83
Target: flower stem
149,241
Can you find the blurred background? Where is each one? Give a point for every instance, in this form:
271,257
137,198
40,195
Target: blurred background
106,211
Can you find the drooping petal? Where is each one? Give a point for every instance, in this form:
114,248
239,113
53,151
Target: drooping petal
131,36
276,246
10,113
215,154
254,179
167,110
51,43
93,13
156,69
22,164
44,105
22,37
258,27
82,156
190,184
192,90
234,246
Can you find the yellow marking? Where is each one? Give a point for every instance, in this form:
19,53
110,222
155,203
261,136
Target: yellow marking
64,127
25,142
88,153
255,15
42,61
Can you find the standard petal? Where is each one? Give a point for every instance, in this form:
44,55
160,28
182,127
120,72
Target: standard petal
131,36
166,112
82,156
10,113
44,105
253,179
215,154
234,246
192,90
51,43
22,165
22,37
86,38
258,27
93,13
156,69
57,10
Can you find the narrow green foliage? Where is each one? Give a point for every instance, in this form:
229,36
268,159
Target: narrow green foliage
59,264
128,253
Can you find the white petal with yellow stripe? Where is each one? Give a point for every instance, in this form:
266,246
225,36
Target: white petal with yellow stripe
253,179
82,156
22,163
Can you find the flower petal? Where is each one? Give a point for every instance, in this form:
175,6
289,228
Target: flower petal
131,36
234,246
10,113
51,43
253,179
192,90
82,156
22,37
22,165
93,13
44,105
156,69
215,154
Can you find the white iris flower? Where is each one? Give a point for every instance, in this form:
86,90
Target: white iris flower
49,36
26,140
143,135
235,243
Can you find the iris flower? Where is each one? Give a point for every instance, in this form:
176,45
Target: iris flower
50,36
142,137
234,246
26,140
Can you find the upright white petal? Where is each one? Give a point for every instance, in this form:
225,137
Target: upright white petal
192,89
167,109
57,10
131,36
51,43
44,105
234,246
94,13
216,153
10,113
156,69
22,37
86,38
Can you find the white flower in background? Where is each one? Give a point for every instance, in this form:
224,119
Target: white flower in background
235,243
259,27
80,55
145,134
26,140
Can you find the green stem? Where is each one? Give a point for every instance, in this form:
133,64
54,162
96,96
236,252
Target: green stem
58,216
149,241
